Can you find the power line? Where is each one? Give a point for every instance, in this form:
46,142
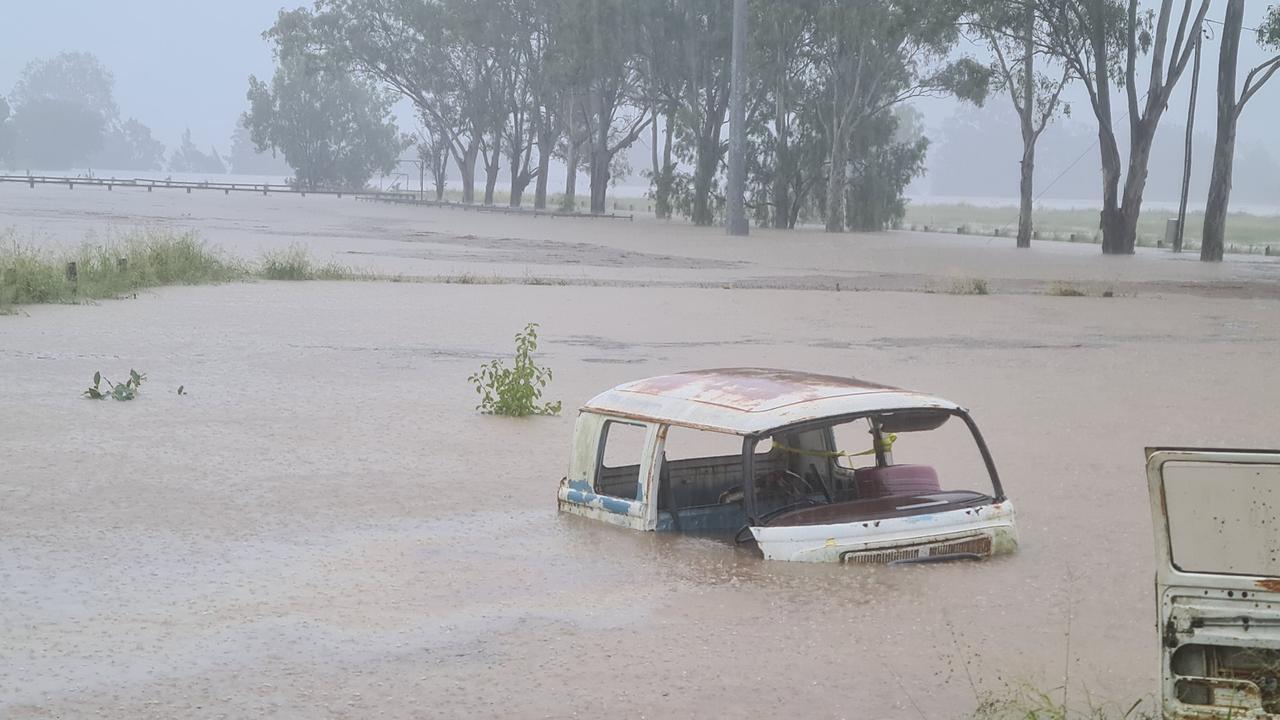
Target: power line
1242,27
1075,162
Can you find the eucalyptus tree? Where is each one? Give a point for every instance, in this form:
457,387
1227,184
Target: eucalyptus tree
1100,40
874,55
1010,30
334,129
604,64
704,47
406,45
782,71
1230,105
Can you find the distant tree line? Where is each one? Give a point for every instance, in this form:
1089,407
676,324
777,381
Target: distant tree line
520,82
516,83
62,114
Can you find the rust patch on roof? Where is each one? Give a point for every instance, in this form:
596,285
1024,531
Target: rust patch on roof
1269,584
751,389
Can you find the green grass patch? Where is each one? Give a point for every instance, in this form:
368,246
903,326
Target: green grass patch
138,260
144,259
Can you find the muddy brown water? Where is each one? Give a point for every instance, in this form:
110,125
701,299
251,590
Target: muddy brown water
323,527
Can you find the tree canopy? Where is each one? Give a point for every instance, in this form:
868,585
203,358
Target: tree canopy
333,128
64,115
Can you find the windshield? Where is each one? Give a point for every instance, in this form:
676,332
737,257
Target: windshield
883,464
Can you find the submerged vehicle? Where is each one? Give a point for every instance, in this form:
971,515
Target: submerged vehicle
808,467
1215,514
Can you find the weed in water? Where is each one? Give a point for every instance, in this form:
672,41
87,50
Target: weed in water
517,390
970,286
1062,289
126,390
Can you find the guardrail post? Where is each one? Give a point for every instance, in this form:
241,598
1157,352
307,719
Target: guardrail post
72,275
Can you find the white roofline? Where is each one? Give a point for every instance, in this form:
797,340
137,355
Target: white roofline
700,400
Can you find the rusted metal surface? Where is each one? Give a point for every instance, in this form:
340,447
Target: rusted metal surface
1217,583
744,401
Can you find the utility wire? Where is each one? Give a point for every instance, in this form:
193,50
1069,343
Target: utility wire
1080,157
1094,144
1242,27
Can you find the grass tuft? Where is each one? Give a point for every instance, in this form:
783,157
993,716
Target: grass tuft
143,259
1027,702
970,286
295,263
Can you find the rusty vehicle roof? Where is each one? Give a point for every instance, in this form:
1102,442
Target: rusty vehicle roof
748,401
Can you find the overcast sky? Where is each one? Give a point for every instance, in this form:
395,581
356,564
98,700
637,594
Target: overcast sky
184,64
176,63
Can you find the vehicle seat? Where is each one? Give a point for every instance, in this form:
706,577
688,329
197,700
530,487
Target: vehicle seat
874,482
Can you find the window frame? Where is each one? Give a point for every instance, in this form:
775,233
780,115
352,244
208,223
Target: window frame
640,461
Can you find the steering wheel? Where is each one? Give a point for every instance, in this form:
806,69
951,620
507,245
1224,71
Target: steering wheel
794,486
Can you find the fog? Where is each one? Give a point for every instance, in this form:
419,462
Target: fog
185,65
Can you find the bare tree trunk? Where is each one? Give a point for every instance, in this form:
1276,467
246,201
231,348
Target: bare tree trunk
1027,180
1224,148
600,156
666,177
1135,182
1112,224
1025,190
835,179
570,201
736,222
782,152
704,171
491,173
545,145
467,168
1186,152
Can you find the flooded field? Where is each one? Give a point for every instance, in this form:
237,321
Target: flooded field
323,527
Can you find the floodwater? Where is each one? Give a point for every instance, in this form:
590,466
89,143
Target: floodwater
323,527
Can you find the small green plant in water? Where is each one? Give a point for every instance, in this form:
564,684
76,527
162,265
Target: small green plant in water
126,390
516,390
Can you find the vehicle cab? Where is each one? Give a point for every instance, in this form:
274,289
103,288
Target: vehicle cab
808,467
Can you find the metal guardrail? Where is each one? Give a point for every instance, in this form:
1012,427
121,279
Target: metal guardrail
151,184
398,197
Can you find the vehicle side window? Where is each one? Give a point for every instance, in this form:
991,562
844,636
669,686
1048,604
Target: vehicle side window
618,472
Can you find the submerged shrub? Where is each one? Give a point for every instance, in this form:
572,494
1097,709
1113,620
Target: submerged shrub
516,390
